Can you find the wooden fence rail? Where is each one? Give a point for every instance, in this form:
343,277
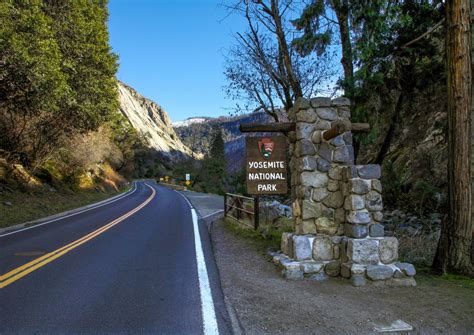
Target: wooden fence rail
239,205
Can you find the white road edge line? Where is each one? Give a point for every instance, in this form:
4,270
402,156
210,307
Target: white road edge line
73,214
207,303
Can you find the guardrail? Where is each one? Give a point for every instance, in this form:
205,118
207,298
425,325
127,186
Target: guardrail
174,187
244,208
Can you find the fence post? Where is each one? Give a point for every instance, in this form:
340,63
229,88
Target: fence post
256,210
225,204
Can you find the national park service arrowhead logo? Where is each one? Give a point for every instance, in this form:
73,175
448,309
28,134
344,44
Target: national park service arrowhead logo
266,146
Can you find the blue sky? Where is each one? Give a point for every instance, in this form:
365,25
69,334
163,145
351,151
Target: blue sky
172,51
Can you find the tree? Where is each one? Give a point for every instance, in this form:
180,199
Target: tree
213,173
264,68
454,249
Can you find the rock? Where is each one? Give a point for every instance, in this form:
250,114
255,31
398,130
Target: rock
306,147
316,137
376,230
302,247
337,141
335,173
360,216
357,269
333,268
292,274
311,266
323,165
398,274
347,136
406,268
321,276
339,215
405,282
302,103
333,185
308,227
354,202
356,231
334,200
373,201
362,251
327,113
314,179
336,251
346,270
379,272
322,249
377,216
377,185
320,102
322,124
309,163
341,101
388,250
344,154
371,171
286,243
359,186
304,131
306,115
358,280
319,194
325,151
311,209
326,226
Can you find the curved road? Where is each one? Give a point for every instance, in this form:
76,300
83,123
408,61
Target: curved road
139,264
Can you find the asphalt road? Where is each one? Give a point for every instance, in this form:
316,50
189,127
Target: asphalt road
141,264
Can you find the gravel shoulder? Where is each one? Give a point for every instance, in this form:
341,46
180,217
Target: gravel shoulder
266,303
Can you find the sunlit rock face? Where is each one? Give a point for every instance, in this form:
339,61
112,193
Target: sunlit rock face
152,121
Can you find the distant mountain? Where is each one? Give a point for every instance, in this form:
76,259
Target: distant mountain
197,135
152,121
190,121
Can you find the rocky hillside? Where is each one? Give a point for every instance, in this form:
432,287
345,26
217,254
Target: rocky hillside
152,121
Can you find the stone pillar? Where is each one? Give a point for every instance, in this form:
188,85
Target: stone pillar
337,206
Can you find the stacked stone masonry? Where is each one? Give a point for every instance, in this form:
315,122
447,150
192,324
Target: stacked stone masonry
337,206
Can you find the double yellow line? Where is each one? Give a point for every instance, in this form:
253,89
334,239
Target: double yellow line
29,267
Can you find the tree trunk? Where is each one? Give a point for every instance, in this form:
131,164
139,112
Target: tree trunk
454,249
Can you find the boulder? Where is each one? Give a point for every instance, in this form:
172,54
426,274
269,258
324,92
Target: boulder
322,249
363,251
379,272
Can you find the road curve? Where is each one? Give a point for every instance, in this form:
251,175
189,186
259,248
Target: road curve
140,264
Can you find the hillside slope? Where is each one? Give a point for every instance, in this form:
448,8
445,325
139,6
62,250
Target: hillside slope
152,121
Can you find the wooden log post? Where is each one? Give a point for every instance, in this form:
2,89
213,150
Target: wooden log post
341,127
282,127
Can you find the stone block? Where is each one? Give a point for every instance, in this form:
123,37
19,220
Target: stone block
322,249
316,137
377,185
323,165
333,268
344,154
358,280
346,270
302,103
326,226
327,113
388,250
357,269
334,200
358,217
350,172
304,130
333,185
311,266
377,216
320,276
407,268
354,202
322,124
340,215
376,230
310,210
370,171
319,194
356,231
325,151
404,282
309,163
314,179
286,242
347,136
307,227
398,274
336,251
359,186
373,201
344,112
306,115
338,141
292,274
302,247
320,102
335,173
379,272
306,148
363,251
341,101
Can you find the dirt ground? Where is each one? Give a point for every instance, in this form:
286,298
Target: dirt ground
266,303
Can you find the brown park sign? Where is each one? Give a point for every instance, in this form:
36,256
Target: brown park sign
266,165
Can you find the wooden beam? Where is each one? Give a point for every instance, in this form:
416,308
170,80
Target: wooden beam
343,126
283,127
